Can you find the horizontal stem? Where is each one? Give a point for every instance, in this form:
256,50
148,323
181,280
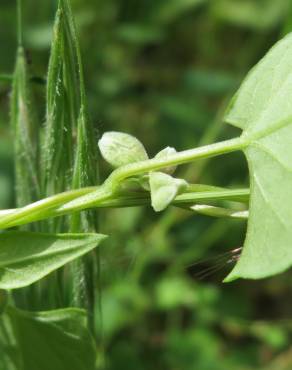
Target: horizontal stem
41,206
236,195
143,199
116,177
175,159
81,199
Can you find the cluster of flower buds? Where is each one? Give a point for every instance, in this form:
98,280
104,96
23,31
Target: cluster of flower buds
120,149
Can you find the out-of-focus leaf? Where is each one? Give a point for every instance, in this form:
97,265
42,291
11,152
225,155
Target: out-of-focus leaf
199,346
174,292
39,37
5,191
122,305
210,82
9,359
140,34
167,11
259,14
53,340
273,335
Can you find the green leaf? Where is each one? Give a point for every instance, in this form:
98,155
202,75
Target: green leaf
172,292
57,339
262,108
260,14
168,11
24,127
164,188
62,110
53,140
26,257
85,166
85,174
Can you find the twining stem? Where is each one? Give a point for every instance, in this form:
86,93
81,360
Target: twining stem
112,183
185,156
81,199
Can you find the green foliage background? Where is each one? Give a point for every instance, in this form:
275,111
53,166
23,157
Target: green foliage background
163,70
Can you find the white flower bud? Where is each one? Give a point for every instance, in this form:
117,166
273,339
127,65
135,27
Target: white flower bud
119,149
164,154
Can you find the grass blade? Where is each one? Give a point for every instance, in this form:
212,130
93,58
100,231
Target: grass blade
24,127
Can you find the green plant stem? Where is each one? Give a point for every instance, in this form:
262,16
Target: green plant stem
179,158
43,206
81,199
129,200
111,185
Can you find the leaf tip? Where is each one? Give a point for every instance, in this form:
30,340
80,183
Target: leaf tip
231,277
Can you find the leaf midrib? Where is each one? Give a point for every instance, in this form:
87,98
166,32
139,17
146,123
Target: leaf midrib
249,138
38,257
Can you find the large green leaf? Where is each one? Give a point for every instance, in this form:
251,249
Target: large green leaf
26,257
263,109
56,339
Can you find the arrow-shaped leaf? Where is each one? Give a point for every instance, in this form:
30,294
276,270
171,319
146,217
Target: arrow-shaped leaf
263,109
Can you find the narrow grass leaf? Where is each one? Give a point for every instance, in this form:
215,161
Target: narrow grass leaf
54,129
25,132
63,99
85,271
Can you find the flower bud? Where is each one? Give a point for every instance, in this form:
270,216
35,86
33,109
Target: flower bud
164,154
119,149
164,188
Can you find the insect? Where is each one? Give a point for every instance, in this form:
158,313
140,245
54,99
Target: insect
199,270
206,267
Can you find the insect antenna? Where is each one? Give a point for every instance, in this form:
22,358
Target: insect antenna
218,263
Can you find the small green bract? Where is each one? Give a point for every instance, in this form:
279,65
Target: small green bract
119,149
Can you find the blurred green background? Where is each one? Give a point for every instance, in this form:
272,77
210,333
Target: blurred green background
164,70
